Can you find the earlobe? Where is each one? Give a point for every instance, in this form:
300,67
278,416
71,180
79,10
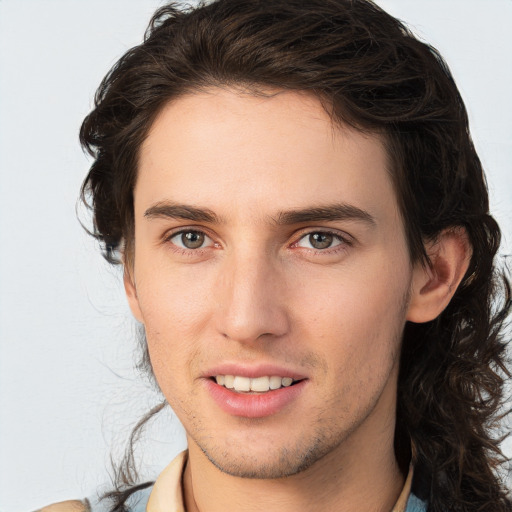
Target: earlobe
434,285
131,294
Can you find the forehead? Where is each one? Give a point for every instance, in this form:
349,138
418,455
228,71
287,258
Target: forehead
236,152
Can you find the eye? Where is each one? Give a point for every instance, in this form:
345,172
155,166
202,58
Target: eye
320,240
191,239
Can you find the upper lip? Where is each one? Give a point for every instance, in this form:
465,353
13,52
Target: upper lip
252,370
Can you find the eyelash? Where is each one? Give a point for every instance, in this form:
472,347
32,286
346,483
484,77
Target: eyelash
344,242
186,251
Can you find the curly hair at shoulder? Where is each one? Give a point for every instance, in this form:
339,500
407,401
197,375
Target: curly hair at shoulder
372,73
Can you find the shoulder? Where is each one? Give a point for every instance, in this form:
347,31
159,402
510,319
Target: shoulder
67,506
134,500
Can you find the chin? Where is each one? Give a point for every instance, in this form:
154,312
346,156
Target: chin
269,463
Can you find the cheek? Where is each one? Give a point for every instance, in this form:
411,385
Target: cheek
170,298
175,310
358,335
356,315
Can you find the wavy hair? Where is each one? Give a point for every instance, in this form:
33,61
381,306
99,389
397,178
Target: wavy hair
371,72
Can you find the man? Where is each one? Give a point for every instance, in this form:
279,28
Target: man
303,223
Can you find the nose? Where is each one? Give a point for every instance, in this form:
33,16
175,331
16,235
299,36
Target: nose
251,298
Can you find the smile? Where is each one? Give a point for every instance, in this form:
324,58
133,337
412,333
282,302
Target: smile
258,384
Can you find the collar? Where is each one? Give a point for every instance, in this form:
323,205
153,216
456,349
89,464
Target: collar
167,493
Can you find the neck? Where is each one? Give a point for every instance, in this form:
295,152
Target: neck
358,475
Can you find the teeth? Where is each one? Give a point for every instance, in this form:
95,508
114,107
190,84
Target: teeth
258,384
275,382
242,384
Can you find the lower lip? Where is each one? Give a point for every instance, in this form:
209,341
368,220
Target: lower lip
253,405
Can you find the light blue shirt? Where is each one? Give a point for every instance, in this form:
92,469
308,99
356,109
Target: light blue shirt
138,500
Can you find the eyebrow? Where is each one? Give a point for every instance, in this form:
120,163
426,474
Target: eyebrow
333,212
171,210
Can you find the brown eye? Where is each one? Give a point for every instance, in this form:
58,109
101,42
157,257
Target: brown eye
191,240
320,240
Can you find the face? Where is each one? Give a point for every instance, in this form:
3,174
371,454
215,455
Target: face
272,276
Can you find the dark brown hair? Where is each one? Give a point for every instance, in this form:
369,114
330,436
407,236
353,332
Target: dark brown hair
371,72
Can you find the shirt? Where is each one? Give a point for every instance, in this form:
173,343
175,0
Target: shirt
166,495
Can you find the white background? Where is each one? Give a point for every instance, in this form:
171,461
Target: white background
68,395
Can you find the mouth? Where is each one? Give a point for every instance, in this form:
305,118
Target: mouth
263,384
256,391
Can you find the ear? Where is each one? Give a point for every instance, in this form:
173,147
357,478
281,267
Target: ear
434,285
131,293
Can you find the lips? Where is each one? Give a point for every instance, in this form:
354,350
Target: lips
253,391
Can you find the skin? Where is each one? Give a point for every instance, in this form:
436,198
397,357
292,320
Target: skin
257,291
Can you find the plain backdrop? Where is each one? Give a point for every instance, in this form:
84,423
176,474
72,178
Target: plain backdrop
68,392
